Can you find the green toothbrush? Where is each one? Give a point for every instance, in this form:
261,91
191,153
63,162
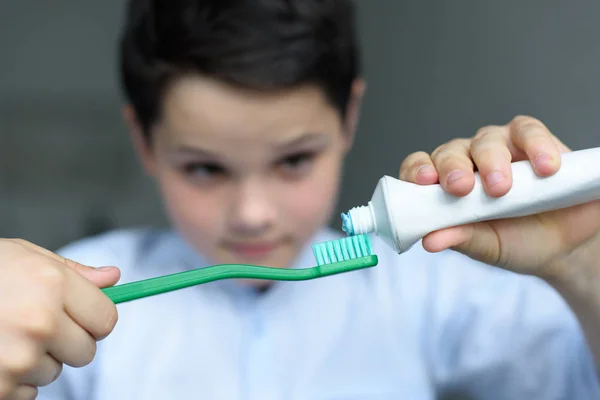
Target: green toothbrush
333,257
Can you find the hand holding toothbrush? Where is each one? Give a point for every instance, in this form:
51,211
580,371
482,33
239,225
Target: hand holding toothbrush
51,312
562,246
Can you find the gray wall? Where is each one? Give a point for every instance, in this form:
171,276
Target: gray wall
435,70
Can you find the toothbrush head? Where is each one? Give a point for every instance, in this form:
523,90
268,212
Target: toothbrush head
345,249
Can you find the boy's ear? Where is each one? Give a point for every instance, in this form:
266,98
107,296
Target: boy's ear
359,86
141,144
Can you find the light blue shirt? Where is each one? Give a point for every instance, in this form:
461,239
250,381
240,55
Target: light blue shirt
415,327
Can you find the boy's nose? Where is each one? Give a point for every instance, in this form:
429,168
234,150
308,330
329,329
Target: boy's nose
252,212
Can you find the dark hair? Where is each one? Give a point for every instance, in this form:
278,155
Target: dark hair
255,44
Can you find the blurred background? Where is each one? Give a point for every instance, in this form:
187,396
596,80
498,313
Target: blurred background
435,70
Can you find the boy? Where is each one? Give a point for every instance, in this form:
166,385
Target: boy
243,112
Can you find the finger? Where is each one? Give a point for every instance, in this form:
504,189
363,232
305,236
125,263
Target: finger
482,242
89,307
44,374
493,157
418,168
574,225
19,355
455,167
537,142
478,241
7,383
23,392
72,344
101,277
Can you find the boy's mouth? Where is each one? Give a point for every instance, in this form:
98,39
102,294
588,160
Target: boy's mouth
254,251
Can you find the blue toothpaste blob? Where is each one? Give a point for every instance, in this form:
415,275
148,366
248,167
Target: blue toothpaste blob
347,225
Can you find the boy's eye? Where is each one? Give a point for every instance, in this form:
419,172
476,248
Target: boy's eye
204,170
296,164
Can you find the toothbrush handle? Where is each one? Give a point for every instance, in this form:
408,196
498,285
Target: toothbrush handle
153,286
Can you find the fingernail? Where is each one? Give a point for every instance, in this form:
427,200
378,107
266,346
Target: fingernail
425,170
541,160
493,178
455,176
104,268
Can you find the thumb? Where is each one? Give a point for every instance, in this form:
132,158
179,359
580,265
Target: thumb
101,277
478,241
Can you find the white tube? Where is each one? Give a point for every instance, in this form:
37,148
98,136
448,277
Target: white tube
402,213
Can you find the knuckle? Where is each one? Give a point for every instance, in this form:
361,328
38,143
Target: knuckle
489,145
6,386
38,321
482,144
438,150
11,245
24,392
488,152
533,131
527,124
444,156
50,276
20,247
490,133
69,263
19,241
31,393
459,143
520,119
456,147
85,354
483,131
25,360
440,159
90,354
57,372
415,157
413,161
47,371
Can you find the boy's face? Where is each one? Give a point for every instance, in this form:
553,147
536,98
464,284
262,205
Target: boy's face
247,176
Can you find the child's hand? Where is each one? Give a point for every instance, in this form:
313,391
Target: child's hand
50,314
545,244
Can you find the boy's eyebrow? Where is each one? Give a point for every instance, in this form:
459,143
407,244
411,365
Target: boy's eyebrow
306,138
195,151
298,141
